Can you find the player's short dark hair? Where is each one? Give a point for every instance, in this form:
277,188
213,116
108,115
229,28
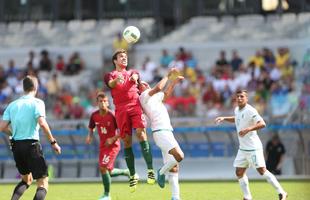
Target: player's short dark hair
101,95
30,83
239,91
118,51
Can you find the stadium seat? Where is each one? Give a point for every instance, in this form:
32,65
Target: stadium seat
136,150
218,149
197,149
156,152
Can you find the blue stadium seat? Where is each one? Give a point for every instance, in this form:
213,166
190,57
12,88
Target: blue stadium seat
4,153
86,151
48,151
67,152
218,149
197,149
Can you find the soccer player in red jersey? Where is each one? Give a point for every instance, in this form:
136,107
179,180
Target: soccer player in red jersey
129,114
103,119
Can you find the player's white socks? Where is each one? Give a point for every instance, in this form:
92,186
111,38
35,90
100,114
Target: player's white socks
273,181
169,165
174,184
244,184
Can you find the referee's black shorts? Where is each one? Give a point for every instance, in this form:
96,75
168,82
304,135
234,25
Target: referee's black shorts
28,156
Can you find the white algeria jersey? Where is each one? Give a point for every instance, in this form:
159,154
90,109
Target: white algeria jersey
245,117
155,110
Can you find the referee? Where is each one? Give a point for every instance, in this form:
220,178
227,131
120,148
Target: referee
22,120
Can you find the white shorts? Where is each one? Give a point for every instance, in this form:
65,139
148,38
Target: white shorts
165,140
245,159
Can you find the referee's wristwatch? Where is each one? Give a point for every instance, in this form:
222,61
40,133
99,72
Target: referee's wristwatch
53,142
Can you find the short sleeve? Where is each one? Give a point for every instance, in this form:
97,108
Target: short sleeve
6,115
107,78
39,109
91,123
253,114
160,96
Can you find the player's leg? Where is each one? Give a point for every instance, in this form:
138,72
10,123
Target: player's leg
258,160
42,187
273,181
22,186
19,150
177,156
106,182
116,171
241,164
130,161
172,153
173,179
147,154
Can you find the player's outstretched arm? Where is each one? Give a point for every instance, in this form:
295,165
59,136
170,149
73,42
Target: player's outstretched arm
47,131
162,83
230,119
171,87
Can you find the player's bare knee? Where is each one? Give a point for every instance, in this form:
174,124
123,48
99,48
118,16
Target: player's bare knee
141,134
239,173
103,170
261,170
174,169
127,141
179,156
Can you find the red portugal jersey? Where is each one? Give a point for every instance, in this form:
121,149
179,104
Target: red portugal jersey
106,127
125,93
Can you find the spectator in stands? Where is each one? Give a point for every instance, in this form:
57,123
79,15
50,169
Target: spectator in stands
129,114
45,62
12,69
60,63
221,62
210,96
76,110
25,116
269,59
32,60
165,59
120,43
75,65
248,121
182,54
151,98
191,62
53,87
104,120
258,59
177,62
236,62
275,155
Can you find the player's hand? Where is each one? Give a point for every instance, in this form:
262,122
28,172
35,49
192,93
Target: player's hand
88,139
243,132
120,79
134,78
173,73
178,79
109,142
56,148
218,120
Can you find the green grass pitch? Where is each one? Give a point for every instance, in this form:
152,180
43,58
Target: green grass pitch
298,190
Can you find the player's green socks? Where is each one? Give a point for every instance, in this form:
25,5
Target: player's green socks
147,154
106,180
130,160
119,172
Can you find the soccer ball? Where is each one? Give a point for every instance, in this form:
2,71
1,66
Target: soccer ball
131,34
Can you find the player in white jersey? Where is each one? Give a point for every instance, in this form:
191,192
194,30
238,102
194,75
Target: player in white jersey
250,153
151,100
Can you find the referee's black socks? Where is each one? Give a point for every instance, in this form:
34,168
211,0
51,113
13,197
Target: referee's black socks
19,190
40,194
